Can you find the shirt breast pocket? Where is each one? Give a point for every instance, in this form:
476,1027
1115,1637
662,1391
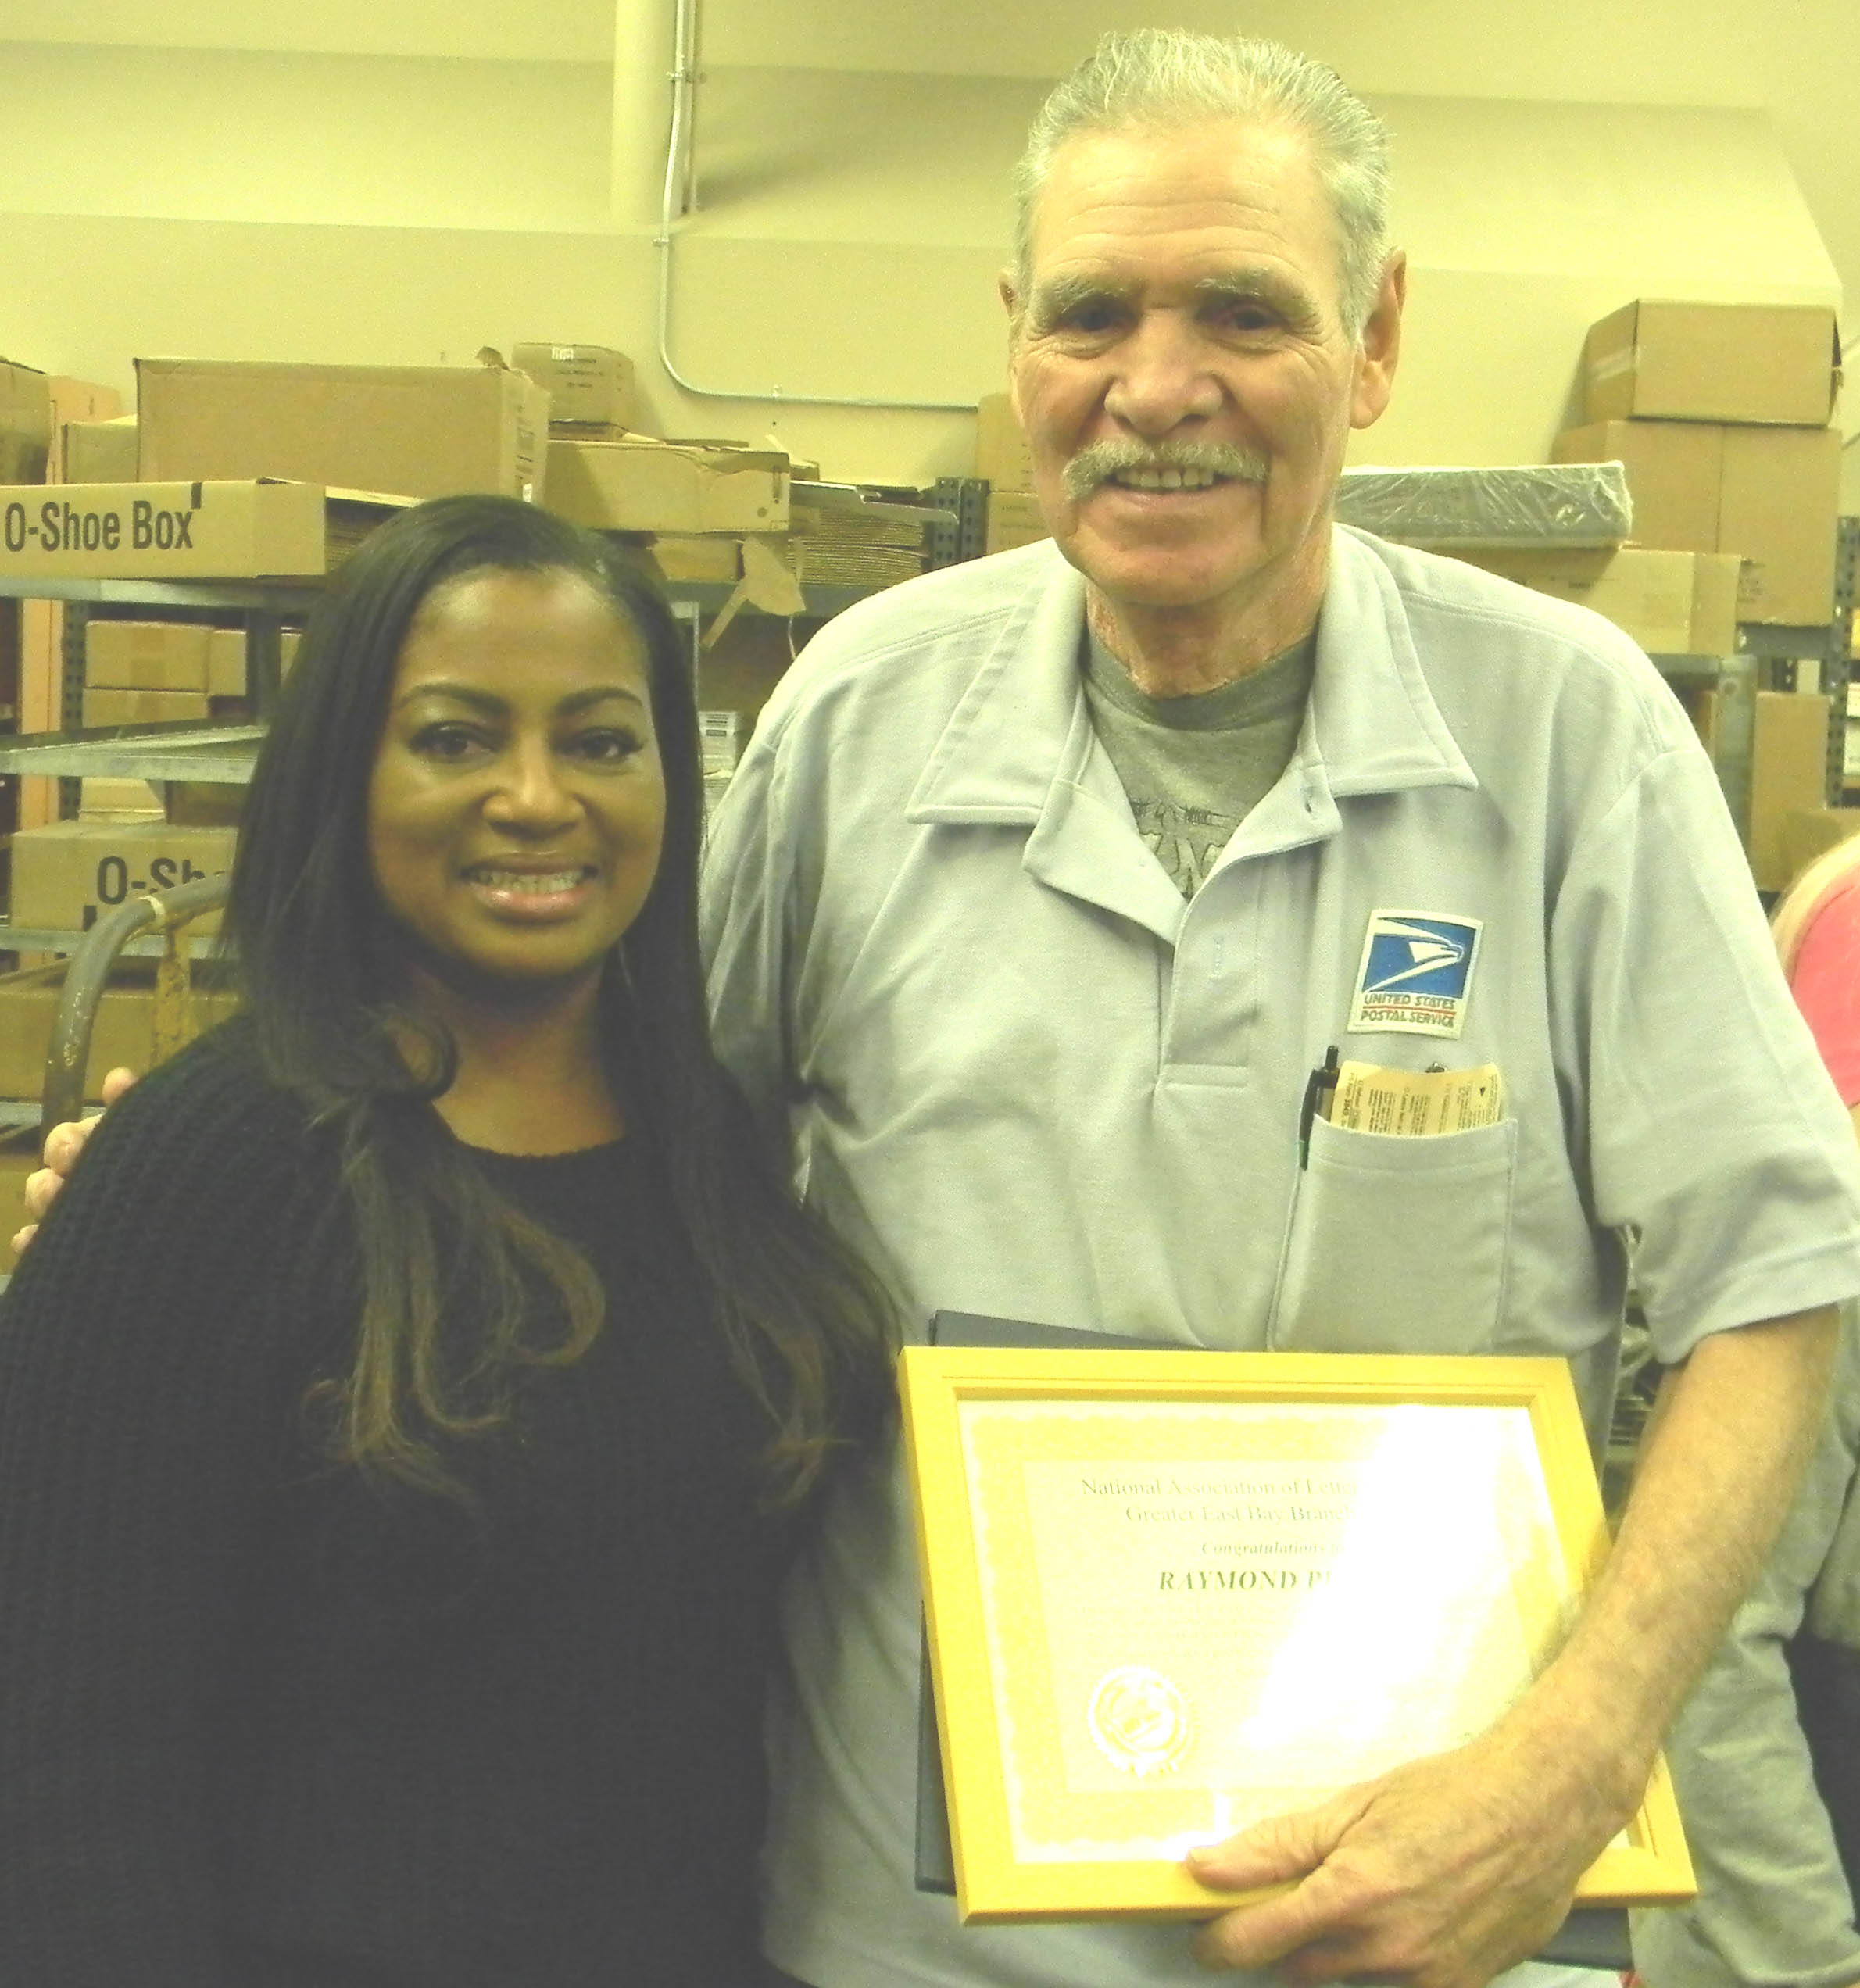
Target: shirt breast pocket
1398,1245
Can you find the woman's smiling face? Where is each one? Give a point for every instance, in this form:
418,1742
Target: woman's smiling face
516,805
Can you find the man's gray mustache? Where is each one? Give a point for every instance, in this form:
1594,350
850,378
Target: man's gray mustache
1097,460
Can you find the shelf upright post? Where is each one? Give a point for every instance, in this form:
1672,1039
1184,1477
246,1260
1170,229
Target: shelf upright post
76,630
1734,746
967,538
264,662
1837,669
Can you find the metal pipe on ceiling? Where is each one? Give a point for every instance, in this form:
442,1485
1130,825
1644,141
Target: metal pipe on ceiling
679,199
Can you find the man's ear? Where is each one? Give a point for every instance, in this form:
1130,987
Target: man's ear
1010,302
1381,346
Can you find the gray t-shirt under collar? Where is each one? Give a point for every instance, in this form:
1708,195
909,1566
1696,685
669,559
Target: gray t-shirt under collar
1193,767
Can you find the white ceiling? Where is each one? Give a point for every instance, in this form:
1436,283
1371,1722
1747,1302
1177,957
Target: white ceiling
500,30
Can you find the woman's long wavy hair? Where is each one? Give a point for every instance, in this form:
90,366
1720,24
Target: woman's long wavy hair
317,960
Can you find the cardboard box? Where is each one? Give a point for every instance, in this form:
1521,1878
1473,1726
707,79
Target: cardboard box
226,660
19,1158
1697,362
183,531
142,707
1002,456
412,431
1810,832
107,800
146,654
584,383
1672,603
1702,704
1789,773
683,488
25,424
1779,509
122,1032
1014,518
66,873
714,561
81,400
1771,494
204,804
100,451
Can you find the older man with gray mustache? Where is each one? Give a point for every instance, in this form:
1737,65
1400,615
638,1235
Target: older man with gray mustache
1047,880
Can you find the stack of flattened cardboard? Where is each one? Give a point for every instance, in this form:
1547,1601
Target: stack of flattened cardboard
839,536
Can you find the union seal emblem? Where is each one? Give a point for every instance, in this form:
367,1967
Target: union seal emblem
1139,1719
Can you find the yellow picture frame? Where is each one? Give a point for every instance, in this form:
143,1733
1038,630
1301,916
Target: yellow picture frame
1051,1509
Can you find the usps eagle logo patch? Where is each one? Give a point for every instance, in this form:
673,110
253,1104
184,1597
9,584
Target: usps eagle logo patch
1416,974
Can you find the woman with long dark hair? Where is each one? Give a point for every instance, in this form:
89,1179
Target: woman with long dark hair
406,1410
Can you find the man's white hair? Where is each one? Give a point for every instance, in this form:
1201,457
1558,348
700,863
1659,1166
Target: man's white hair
1168,78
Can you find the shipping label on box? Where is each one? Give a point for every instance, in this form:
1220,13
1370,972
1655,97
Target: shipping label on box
65,874
1705,362
146,654
687,488
25,424
410,430
1002,456
182,531
585,383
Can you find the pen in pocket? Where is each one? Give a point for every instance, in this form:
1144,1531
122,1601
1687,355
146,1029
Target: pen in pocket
1317,1089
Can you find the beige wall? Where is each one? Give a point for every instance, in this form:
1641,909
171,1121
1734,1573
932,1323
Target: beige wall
407,183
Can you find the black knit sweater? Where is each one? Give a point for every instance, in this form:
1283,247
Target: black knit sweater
262,1725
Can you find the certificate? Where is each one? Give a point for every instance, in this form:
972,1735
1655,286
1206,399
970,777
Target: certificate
1171,1593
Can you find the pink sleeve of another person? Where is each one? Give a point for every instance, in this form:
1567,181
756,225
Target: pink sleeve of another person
1826,983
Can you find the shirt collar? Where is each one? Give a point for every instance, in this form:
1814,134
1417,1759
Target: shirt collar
1018,729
